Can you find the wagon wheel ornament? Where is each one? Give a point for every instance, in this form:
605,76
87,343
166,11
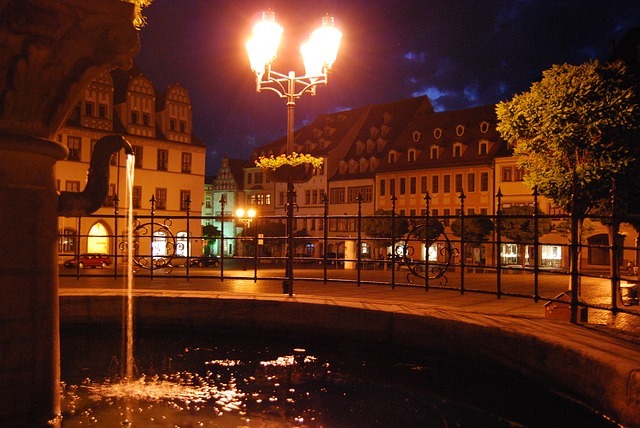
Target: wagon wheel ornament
149,231
433,235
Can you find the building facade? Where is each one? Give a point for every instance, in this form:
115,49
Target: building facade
169,165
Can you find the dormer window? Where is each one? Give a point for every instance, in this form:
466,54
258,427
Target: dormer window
483,148
457,150
392,157
437,133
484,127
434,152
459,130
412,155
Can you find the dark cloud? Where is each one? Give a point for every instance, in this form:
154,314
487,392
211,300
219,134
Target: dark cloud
459,53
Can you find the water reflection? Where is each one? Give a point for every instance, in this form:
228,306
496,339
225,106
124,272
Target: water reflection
257,381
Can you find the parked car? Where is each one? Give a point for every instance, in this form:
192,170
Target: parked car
89,260
205,261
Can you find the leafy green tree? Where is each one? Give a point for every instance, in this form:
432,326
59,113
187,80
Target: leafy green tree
380,227
517,223
476,229
209,234
575,133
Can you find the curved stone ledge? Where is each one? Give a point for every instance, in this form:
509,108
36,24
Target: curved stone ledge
601,371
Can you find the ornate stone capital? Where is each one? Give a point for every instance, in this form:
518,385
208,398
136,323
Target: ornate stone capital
49,52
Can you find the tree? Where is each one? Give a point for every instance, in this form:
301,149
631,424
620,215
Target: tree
517,223
476,229
575,133
209,234
379,226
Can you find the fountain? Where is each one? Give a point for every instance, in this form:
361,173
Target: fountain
51,50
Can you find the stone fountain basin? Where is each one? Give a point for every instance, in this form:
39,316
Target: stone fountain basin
589,365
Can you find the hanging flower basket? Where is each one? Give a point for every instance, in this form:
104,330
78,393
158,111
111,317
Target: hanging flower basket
297,168
297,174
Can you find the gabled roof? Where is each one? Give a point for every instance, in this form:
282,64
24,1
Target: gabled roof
466,128
383,124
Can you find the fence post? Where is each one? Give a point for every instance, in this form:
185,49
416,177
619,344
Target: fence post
498,244
393,240
115,235
614,251
153,213
325,237
359,242
187,203
574,273
536,245
427,215
462,252
223,202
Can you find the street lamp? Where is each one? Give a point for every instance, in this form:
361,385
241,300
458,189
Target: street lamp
246,217
319,53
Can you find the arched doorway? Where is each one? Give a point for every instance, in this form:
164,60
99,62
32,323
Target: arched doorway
98,239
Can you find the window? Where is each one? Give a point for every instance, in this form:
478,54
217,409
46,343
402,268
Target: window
446,212
365,192
185,200
137,196
259,177
281,198
484,181
403,186
88,108
337,195
172,124
483,148
518,174
67,241
314,197
72,186
186,163
146,119
458,183
413,185
161,198
471,182
103,111
183,126
383,188
435,184
446,183
137,151
134,117
307,197
507,173
109,201
392,187
457,151
392,157
163,160
434,152
74,144
412,155
249,178
423,184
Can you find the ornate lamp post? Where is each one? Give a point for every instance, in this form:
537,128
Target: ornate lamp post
319,54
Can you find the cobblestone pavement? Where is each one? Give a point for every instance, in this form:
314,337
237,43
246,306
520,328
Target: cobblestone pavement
478,296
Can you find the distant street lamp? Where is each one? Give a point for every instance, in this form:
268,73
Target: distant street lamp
319,54
246,217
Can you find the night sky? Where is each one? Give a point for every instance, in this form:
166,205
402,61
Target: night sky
461,53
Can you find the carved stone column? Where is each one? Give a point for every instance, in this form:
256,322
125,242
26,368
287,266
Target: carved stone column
49,51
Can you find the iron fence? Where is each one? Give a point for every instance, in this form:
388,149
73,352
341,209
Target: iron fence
416,251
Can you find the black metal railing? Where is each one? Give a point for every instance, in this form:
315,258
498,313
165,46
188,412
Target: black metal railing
418,251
